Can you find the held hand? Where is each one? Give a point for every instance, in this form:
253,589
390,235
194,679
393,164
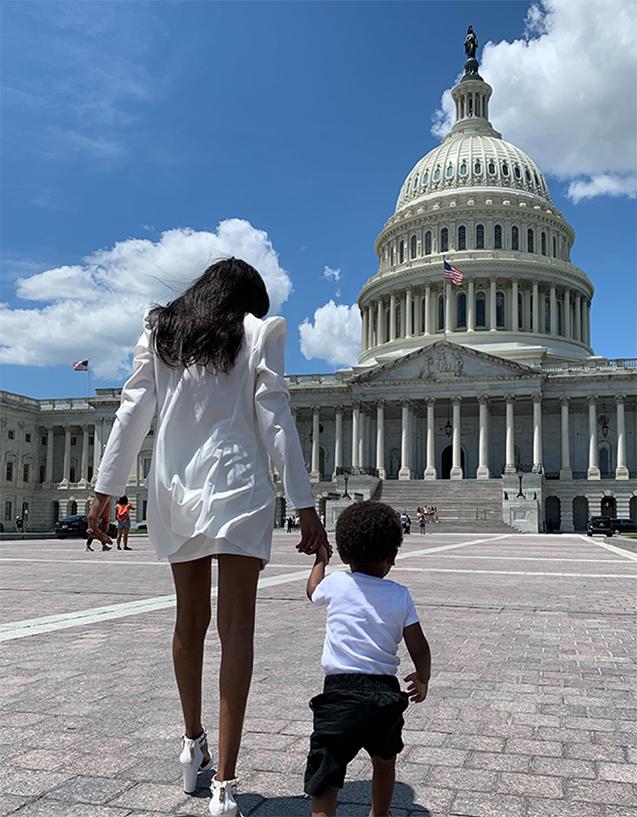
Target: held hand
313,535
416,688
99,507
323,555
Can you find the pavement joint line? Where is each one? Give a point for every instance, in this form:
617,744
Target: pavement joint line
35,626
517,572
625,553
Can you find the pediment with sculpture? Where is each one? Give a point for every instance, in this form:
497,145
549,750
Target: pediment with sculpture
444,362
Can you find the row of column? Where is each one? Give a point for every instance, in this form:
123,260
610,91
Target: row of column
84,457
418,320
483,472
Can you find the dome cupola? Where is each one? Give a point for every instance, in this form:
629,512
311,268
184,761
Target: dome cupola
482,204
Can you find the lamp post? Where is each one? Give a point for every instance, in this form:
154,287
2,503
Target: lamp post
520,475
346,495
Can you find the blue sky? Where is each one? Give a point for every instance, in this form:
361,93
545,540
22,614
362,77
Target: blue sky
125,120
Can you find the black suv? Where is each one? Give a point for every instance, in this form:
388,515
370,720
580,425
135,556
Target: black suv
600,524
76,525
623,525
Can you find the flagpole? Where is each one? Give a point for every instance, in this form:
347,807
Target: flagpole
88,381
444,303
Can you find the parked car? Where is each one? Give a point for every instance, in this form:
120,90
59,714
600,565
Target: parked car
600,525
623,525
76,525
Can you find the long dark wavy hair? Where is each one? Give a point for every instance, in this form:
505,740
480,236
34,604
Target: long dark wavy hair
204,326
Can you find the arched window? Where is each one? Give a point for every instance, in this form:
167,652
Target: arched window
527,175
413,317
463,168
529,240
572,319
497,237
414,246
462,237
415,182
437,173
560,317
441,313
479,236
520,311
449,170
554,247
517,171
393,256
537,181
499,310
515,238
543,243
401,252
547,314
604,459
387,326
399,327
461,311
491,167
425,178
481,310
470,106
72,508
505,169
444,240
428,242
477,167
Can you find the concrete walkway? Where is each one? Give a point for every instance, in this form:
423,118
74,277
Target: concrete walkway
532,709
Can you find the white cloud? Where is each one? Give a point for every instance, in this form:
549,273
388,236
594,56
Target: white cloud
331,274
565,93
334,336
95,308
603,185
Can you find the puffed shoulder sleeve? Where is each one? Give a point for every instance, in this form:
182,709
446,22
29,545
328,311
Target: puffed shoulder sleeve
132,420
276,424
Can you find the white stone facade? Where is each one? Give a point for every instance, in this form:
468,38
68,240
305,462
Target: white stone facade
489,380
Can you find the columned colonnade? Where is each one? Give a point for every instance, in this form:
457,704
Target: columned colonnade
489,305
364,458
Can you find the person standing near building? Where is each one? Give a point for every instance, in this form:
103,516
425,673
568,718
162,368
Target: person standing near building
122,514
211,368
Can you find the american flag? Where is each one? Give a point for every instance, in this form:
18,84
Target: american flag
80,366
453,273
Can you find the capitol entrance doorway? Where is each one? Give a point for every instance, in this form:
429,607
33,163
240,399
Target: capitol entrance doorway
447,461
609,506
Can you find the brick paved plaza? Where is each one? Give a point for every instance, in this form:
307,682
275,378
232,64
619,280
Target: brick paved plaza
532,709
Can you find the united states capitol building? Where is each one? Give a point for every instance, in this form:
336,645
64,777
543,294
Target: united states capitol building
485,399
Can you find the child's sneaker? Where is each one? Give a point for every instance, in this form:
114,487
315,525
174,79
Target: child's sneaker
222,801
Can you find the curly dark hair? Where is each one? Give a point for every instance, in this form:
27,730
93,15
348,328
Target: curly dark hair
368,532
204,326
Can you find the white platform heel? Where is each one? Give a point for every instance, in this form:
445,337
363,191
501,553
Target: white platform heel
193,753
222,800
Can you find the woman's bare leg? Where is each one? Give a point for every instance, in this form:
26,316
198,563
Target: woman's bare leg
238,577
192,584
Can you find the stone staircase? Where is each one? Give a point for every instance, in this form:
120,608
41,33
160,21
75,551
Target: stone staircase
464,506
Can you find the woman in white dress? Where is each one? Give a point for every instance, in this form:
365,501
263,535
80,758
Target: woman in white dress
211,369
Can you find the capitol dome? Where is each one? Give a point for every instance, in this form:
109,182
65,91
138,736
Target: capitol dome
482,205
472,160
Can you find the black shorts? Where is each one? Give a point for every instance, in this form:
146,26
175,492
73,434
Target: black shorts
354,712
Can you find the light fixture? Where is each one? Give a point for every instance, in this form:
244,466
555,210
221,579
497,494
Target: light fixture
448,426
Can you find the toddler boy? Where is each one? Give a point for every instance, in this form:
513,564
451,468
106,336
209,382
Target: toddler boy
362,706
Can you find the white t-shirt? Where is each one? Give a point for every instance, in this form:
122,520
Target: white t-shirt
366,617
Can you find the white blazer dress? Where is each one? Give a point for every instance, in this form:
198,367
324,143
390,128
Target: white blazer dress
209,485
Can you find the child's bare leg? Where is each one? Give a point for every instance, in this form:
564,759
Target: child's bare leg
383,781
324,804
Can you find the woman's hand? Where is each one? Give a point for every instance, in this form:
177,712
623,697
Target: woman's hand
313,535
99,508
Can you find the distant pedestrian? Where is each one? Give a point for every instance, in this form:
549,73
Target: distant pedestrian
422,520
19,524
290,524
122,515
104,524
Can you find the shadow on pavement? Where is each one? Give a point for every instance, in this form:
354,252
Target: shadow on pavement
354,801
